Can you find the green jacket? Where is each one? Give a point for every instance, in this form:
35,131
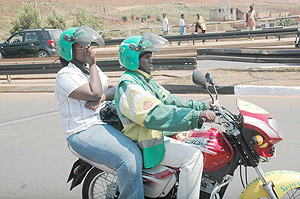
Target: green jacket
146,109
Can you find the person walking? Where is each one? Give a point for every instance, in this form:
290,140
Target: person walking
250,19
200,24
81,89
182,27
146,110
166,27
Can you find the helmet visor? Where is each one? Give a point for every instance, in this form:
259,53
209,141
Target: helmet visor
85,36
151,42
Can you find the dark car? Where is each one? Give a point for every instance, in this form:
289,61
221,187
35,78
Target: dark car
31,43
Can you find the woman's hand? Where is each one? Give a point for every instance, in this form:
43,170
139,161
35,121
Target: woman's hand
90,55
92,105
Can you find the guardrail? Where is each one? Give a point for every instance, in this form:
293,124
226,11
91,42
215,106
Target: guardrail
249,55
277,32
208,23
181,63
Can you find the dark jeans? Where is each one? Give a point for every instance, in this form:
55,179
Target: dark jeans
197,26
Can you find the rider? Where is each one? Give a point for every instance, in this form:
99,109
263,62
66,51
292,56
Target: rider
81,90
146,109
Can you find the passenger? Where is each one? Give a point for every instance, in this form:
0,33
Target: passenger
81,90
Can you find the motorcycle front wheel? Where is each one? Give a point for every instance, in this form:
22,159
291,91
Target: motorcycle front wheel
291,194
100,185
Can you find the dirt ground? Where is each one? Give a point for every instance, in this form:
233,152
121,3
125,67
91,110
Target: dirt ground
289,76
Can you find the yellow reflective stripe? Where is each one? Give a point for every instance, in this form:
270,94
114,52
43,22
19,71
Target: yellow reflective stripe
132,131
136,103
126,100
138,133
144,106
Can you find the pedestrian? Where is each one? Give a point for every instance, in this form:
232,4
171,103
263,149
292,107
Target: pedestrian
146,110
250,19
200,24
81,89
166,27
182,27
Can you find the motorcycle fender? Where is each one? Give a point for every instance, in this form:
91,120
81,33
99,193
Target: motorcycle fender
282,180
78,172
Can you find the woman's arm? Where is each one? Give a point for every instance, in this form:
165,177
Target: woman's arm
107,95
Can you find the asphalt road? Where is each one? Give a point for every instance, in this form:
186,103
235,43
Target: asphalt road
35,161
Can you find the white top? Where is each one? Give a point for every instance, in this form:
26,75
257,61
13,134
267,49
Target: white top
181,22
75,116
165,24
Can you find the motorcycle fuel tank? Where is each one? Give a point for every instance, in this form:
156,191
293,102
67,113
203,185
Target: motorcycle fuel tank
216,150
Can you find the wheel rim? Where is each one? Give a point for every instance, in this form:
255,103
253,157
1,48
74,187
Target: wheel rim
104,185
43,54
294,193
291,194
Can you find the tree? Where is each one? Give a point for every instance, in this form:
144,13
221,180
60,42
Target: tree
286,21
82,19
57,22
28,18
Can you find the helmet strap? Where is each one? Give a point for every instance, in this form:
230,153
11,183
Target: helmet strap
78,63
146,71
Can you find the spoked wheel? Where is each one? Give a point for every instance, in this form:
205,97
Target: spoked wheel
100,185
293,193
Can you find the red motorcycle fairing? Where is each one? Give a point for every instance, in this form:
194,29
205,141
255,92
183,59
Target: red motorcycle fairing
216,150
262,122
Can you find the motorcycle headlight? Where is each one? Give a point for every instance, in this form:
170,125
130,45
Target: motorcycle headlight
273,123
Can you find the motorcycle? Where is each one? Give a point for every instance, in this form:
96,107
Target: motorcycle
244,139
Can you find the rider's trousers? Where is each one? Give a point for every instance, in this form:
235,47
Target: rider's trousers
189,160
106,145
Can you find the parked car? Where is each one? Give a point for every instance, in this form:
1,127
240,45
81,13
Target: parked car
31,43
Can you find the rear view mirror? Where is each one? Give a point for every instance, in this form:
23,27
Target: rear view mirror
199,79
209,78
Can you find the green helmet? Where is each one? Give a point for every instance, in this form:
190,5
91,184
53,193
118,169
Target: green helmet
131,48
84,36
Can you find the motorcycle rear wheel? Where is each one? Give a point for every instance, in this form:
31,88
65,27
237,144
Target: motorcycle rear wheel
99,185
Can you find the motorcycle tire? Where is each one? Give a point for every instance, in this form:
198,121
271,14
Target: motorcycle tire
100,184
293,193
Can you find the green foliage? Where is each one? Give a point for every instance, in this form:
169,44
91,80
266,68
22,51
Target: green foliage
57,22
124,18
286,22
158,18
28,18
132,16
82,19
